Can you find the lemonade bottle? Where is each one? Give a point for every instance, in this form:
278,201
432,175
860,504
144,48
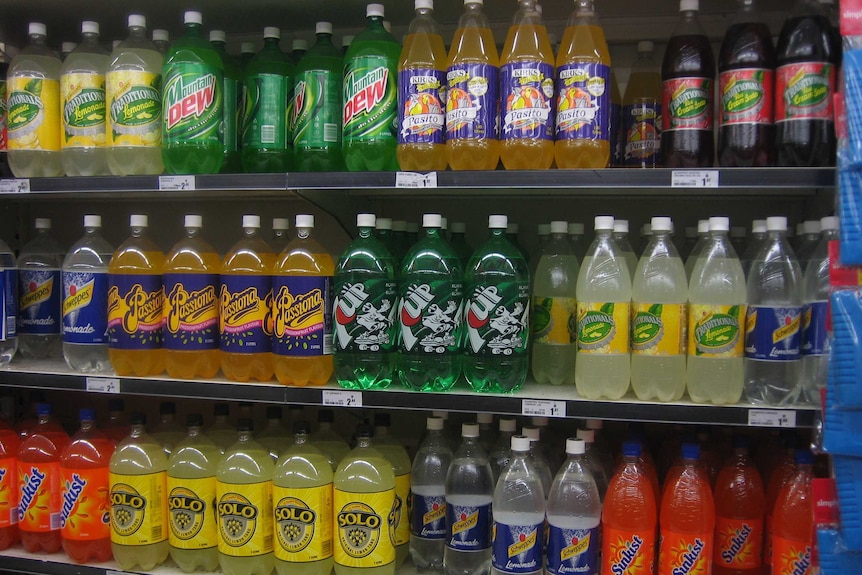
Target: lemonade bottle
135,302
168,432
642,112
327,440
302,310
527,93
396,455
273,437
583,138
191,308
221,431
246,283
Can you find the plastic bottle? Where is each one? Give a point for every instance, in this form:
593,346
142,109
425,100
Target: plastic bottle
501,452
614,125
394,452
428,496
369,92
192,133
161,40
716,321
808,242
298,49
642,111
133,90
816,290
82,97
399,236
327,440
603,367
659,319
537,457
220,431
773,332
233,103
783,470
364,310
621,237
135,304
688,77
117,427
191,486
755,241
594,462
9,489
280,234
139,505
247,52
793,545
274,437
246,271
459,242
5,171
168,432
697,250
33,86
40,297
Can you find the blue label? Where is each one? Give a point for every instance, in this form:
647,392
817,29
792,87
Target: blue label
245,314
583,102
428,516
527,95
302,315
39,301
191,311
9,303
573,551
135,308
421,97
642,133
773,333
518,548
814,333
85,307
468,528
614,123
471,103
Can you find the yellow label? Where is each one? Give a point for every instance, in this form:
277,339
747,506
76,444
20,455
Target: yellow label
138,508
191,513
555,320
716,330
658,328
603,327
244,518
83,113
399,519
362,526
33,114
82,297
134,109
303,523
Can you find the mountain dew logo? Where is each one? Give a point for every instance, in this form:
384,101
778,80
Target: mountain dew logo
298,101
370,109
192,102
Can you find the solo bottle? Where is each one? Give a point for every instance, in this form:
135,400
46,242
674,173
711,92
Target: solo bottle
428,495
816,290
40,295
393,451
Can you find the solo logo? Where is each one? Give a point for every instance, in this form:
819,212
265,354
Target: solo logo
128,508
237,519
187,513
358,529
295,524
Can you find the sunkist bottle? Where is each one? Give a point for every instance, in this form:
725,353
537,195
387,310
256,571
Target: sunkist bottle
428,497
40,295
642,113
9,490
816,289
370,114
396,455
793,544
233,102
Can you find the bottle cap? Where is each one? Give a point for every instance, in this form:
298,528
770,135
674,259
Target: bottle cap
67,47
382,420
89,27
374,10
116,404
587,435
43,409
301,426
480,2
137,418
247,48
160,35
470,430
92,221
531,432
399,226
87,414
364,430
812,226
245,424
595,424
804,457
661,224
299,44
383,224
645,46
719,224
272,32
703,226
497,222
828,223
137,21
138,221
604,223
511,228
194,221
484,417
544,229
194,420
366,220
43,223
250,221
280,224
444,415
632,449
346,41
690,451
167,408
540,421
424,4
689,5
458,227
193,17
576,229
508,425
621,226
221,409
576,446
323,28
412,227
800,228
520,443
758,227
217,36
434,424
37,29
304,221
776,224
559,227
737,232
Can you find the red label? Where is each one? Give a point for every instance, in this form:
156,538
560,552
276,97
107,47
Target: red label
85,515
746,96
791,557
687,104
851,17
738,543
627,553
8,491
825,495
41,497
685,554
804,91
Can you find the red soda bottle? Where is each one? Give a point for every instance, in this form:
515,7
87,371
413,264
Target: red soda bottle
793,522
8,486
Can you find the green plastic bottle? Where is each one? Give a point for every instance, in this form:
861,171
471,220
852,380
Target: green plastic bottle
232,163
274,437
396,455
327,440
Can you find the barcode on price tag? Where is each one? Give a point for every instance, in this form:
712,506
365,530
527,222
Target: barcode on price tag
21,186
415,180
543,408
112,572
176,183
342,398
103,384
772,418
694,179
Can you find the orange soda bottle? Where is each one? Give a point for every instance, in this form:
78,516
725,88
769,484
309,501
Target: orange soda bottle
9,442
781,475
793,522
191,305
302,310
135,301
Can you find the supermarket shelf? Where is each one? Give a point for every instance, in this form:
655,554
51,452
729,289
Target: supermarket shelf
17,560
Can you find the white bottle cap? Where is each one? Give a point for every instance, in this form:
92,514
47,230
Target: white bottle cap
346,41
470,430
280,224
776,224
138,221
520,443
383,224
511,228
374,10
737,232
483,417
758,227
604,223
323,28
480,2
272,32
43,224
645,46
399,226
218,36
575,447
67,47
812,226
688,5
621,226
444,223
194,221
800,228
37,29
432,423
595,424
828,223
661,224
444,415
89,27
366,220
458,228
424,4
540,421
531,432
587,435
559,227
193,17
137,21
304,221
92,221
497,222
703,226
576,229
719,224
508,425
299,44
432,220
247,48
250,221
160,35
544,229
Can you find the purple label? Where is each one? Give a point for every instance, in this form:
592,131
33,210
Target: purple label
421,94
85,307
245,314
518,548
39,305
191,311
814,334
642,133
302,315
468,527
8,303
527,95
773,333
472,103
135,311
572,551
583,102
428,516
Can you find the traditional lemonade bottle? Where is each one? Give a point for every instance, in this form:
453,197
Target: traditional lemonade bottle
394,452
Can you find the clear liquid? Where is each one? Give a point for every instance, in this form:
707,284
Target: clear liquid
469,482
42,254
88,58
456,562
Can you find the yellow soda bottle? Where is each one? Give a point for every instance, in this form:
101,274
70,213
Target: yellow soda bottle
527,93
302,310
394,452
191,308
583,138
135,301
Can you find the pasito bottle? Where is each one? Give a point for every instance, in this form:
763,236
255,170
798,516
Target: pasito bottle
642,113
793,522
40,316
168,432
816,290
328,440
428,496
9,489
394,452
233,103
755,241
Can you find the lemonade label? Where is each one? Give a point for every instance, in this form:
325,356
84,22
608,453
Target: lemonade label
316,111
3,130
84,111
85,307
86,511
573,551
468,527
555,320
687,104
738,543
659,329
517,548
791,557
527,96
814,333
232,102
472,102
8,491
430,316
138,510
33,114
8,303
421,114
303,523
370,109
244,518
135,306
603,327
583,102
134,109
365,317
193,104
803,91
40,497
399,518
363,532
245,314
428,515
773,333
498,318
265,124
715,330
685,554
302,315
642,132
746,96
191,311
39,305
191,513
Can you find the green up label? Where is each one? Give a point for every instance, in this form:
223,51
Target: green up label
192,102
370,110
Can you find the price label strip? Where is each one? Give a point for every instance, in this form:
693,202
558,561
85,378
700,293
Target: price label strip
176,183
543,408
342,398
694,179
103,384
772,418
414,180
20,186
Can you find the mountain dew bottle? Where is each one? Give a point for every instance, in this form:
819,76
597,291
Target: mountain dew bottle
232,163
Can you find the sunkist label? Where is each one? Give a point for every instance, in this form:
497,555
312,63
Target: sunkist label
498,318
746,96
266,120
85,307
245,314
191,513
138,509
84,112
517,548
583,102
603,327
134,109
191,311
573,551
39,301
471,101
642,132
803,91
791,557
362,528
716,330
8,491
193,102
8,303
814,333
773,333
468,527
135,306
685,554
303,523
33,114
86,511
527,96
627,553
427,513
364,314
370,100
421,106
687,104
302,315
40,498
244,518
316,111
430,316
555,320
659,329
738,543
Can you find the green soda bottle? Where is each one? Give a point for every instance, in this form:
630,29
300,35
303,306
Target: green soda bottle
244,506
220,431
191,493
364,312
139,506
192,103
327,440
302,497
396,455
459,243
232,163
273,437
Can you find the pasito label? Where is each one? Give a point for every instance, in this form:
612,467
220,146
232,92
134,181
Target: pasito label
266,120
33,114
428,514
193,104
40,498
430,316
365,319
245,314
659,329
316,111
86,511
555,320
773,333
39,307
421,97
627,553
498,318
583,102
791,557
134,109
715,330
191,513
302,315
83,101
738,543
527,98
191,311
85,307
642,132
685,554
303,523
138,509
363,537
370,100
8,491
603,327
472,102
135,308
244,518
8,303
468,527
573,551
687,104
814,334
746,96
517,548
803,91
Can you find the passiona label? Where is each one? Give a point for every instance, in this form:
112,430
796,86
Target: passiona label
192,103
583,102
191,513
572,551
468,526
471,101
627,553
135,305
365,317
555,320
191,311
245,314
139,509
8,491
803,91
498,318
39,301
363,537
746,96
603,327
33,114
527,96
738,543
658,329
427,513
302,315
421,103
303,523
642,133
685,554
687,104
430,316
370,99
517,548
86,511
316,110
715,330
134,108
244,518
85,307
773,333
40,496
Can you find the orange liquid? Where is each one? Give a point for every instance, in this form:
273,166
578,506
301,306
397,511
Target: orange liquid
9,536
687,514
629,509
793,521
44,445
739,496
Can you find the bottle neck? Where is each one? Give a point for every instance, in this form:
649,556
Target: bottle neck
363,442
90,39
829,235
138,32
244,435
432,232
497,232
324,39
271,42
92,231
375,22
300,438
193,232
381,431
194,30
37,40
219,45
250,232
303,233
366,232
167,418
138,232
87,424
137,430
194,431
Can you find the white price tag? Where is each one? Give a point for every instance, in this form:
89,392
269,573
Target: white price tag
176,183
112,572
694,179
20,186
415,180
342,398
543,408
772,418
103,384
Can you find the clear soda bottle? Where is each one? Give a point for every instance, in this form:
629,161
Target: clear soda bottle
233,102
428,497
328,440
816,290
641,120
700,244
40,295
487,433
755,241
808,242
501,452
594,461
168,432
274,437
538,458
161,40
621,237
394,452
576,236
9,489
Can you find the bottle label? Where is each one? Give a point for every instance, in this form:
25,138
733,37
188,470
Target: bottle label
266,120
365,315
399,519
527,95
627,553
302,315
715,330
316,111
498,318
603,327
40,499
364,537
803,92
8,303
193,104
517,548
245,314
231,114
738,543
138,509
685,554
39,301
244,518
791,557
135,306
472,102
85,307
370,99
583,102
86,511
773,333
191,311
84,110
659,329
687,104
134,109
428,516
642,127
468,528
430,315
3,132
192,517
421,93
555,320
33,114
8,491
814,334
303,523
746,96
573,551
